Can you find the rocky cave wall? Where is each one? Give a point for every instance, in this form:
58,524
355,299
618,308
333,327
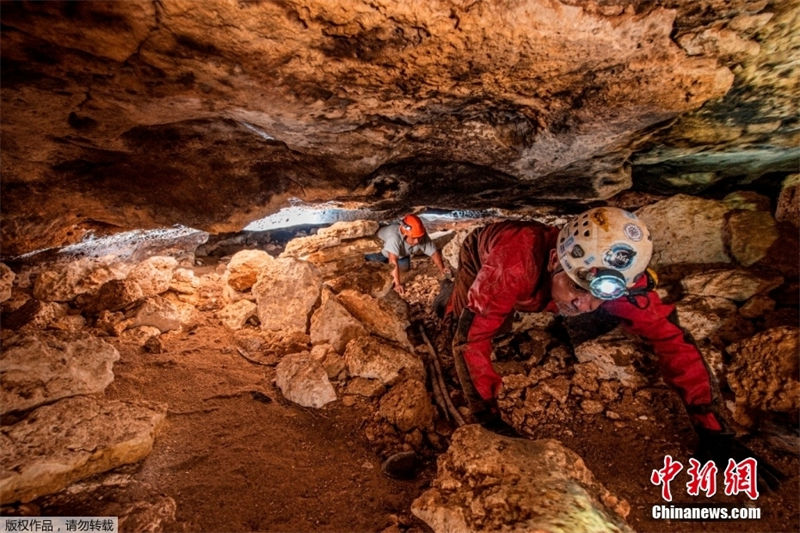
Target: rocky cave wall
123,115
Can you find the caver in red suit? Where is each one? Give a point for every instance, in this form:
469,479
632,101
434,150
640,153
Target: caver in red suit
503,268
599,260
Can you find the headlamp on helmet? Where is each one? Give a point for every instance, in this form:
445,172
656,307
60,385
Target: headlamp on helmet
606,283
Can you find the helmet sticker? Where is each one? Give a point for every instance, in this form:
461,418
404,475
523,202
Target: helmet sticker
619,256
563,247
599,217
589,260
577,251
633,232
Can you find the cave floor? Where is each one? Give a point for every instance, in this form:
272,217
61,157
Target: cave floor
236,460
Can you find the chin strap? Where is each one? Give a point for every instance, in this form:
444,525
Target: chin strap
652,283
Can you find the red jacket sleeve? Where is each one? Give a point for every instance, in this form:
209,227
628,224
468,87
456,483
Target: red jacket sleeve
507,274
682,366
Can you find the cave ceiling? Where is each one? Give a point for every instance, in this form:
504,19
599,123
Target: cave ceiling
213,113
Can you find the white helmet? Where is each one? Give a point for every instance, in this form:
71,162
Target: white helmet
604,250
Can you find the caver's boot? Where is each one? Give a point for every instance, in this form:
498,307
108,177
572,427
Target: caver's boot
402,465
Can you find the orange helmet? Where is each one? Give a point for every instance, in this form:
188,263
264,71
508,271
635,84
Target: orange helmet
411,226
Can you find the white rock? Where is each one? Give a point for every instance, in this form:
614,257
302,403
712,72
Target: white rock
285,293
304,381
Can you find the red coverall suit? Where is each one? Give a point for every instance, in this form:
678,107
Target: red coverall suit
503,267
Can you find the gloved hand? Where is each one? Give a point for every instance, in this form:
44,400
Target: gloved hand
720,446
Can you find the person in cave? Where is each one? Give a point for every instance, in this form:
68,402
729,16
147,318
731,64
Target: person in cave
594,267
400,241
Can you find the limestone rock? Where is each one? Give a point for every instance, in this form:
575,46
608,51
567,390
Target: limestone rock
703,315
244,267
370,278
757,306
6,282
734,284
153,275
236,315
302,247
592,407
184,281
330,359
451,250
37,369
788,209
376,315
285,293
332,324
369,357
35,315
158,312
407,406
263,347
187,314
113,323
486,482
752,233
304,381
140,334
70,440
139,506
718,41
747,201
365,387
63,282
347,230
698,238
329,237
69,323
764,372
209,295
528,401
614,355
113,295
279,343
342,258
715,361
